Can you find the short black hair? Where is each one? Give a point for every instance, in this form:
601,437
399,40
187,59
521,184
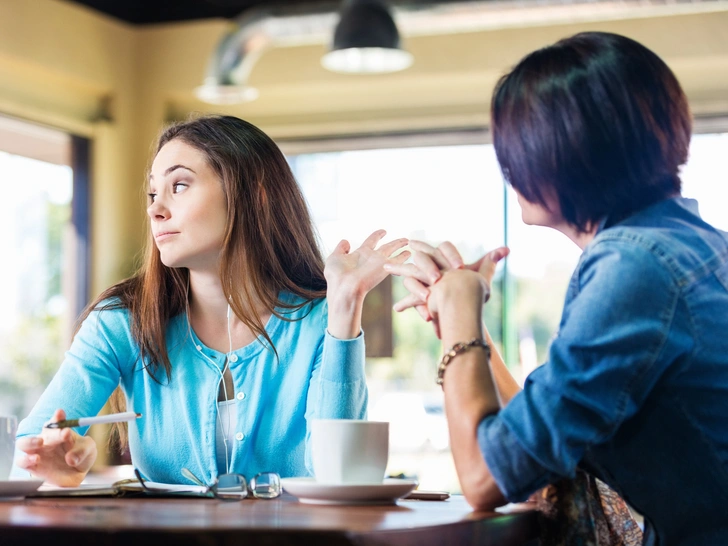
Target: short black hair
597,121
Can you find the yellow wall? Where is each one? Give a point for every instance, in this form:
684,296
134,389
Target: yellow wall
66,66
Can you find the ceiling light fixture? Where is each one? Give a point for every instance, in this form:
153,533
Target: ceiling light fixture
313,24
366,40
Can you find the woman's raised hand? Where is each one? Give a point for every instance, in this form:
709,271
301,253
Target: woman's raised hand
361,270
431,265
350,276
58,456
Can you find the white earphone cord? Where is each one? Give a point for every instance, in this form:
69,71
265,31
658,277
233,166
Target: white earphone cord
226,431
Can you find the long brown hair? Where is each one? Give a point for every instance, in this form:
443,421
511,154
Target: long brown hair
269,245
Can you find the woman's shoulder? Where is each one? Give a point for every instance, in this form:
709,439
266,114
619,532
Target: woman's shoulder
110,308
294,307
631,246
671,237
108,315
622,259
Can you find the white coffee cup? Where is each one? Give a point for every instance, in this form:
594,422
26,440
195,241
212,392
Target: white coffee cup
347,451
8,429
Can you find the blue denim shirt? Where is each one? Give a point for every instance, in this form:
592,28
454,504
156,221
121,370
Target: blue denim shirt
635,389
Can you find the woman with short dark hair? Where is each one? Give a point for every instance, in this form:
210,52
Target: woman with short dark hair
598,122
591,133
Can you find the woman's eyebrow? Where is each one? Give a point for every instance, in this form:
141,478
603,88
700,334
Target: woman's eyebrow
172,169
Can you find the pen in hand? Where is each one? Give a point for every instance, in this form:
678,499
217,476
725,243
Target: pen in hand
87,421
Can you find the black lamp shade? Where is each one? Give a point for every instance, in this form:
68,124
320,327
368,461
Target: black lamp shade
366,23
366,40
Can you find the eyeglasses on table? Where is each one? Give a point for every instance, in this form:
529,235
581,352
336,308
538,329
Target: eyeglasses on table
265,485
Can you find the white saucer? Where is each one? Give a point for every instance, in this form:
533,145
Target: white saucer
309,491
18,488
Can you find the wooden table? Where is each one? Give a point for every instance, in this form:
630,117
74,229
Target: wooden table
283,521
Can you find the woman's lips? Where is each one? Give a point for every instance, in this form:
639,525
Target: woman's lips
164,235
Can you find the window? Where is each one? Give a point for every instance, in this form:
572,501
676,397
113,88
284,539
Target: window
39,279
434,194
705,177
539,269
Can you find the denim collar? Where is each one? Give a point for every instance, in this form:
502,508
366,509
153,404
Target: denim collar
691,205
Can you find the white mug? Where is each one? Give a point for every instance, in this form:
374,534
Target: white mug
8,428
347,451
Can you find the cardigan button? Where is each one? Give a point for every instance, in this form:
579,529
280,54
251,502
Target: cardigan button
241,395
239,436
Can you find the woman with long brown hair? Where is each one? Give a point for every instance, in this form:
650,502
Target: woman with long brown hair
232,337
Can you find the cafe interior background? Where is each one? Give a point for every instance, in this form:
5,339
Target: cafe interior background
84,93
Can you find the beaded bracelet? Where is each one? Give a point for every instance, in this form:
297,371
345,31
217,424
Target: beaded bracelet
457,349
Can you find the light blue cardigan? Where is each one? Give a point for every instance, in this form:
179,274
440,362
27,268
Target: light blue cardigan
315,376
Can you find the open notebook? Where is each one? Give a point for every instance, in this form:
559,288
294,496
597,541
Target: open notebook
124,488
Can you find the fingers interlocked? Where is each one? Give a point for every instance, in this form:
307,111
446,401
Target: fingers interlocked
428,266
